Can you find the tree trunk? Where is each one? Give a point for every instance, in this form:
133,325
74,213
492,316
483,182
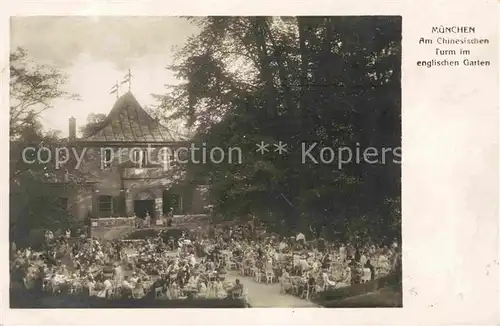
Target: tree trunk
266,73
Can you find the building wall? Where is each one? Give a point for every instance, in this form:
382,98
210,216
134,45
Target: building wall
150,182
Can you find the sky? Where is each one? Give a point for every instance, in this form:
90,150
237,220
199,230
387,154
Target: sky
96,52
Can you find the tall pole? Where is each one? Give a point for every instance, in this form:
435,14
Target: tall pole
129,81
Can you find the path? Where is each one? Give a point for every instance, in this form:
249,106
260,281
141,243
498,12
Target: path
261,295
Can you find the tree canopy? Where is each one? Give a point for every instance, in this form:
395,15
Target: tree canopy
35,200
330,81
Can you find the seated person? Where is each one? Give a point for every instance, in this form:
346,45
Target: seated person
346,278
139,291
108,287
174,291
127,287
237,290
356,272
90,285
134,278
219,290
202,289
193,280
326,280
286,281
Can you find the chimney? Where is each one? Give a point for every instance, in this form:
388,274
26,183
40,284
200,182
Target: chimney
72,128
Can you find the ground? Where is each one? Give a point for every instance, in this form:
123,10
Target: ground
261,295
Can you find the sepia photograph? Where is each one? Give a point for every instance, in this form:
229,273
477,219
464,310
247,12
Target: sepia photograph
205,162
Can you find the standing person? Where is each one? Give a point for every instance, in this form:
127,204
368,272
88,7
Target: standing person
118,273
118,250
342,253
325,261
357,254
350,251
371,268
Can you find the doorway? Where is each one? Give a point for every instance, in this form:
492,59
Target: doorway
142,207
172,202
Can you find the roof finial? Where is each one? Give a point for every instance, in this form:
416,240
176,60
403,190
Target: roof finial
128,79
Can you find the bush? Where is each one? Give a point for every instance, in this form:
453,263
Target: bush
358,289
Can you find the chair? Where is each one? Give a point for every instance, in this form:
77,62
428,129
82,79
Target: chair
309,290
269,277
258,276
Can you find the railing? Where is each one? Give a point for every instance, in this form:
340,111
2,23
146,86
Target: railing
113,222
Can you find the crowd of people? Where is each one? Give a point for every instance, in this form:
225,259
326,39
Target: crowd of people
196,264
303,267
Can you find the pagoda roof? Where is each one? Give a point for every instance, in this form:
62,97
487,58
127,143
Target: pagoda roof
129,122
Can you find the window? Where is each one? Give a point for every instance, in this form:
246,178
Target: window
109,206
140,158
106,158
172,202
105,205
176,203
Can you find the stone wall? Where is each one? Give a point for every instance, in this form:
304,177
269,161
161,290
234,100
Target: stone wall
110,228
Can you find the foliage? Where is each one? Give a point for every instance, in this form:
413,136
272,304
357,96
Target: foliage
34,195
95,121
334,81
359,289
33,88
